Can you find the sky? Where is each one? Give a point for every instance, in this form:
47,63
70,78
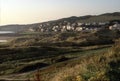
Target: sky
35,11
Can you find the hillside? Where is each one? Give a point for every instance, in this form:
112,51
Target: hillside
52,53
61,56
47,25
98,67
67,39
89,63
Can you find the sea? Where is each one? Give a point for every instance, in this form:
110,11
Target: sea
5,32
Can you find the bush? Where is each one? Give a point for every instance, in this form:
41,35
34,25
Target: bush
100,76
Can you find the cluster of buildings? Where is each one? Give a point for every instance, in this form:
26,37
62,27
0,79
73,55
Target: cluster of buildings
76,26
115,26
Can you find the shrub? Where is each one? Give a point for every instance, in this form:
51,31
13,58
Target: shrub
100,76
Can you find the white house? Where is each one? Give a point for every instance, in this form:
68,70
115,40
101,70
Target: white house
31,29
79,24
79,29
69,27
115,26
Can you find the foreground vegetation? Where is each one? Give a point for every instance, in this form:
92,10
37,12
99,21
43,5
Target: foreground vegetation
67,56
94,67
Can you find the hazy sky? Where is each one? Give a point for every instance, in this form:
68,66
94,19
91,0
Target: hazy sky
33,11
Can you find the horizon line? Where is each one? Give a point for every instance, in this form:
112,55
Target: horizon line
57,19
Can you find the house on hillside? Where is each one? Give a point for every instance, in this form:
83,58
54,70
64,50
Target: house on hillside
91,27
79,24
115,26
63,28
79,28
42,30
31,30
101,23
69,27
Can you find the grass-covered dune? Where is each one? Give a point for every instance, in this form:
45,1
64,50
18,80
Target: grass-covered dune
94,67
61,56
67,39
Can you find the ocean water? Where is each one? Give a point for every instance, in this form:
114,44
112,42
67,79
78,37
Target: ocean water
6,32
3,40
